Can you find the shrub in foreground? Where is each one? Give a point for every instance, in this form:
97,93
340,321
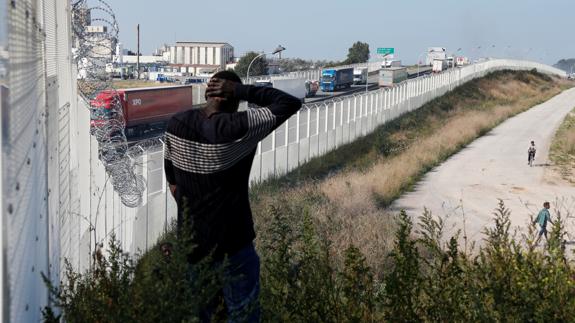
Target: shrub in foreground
430,279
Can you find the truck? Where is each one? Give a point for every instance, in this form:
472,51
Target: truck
461,61
295,87
195,80
434,53
336,78
145,109
439,65
391,63
392,76
360,75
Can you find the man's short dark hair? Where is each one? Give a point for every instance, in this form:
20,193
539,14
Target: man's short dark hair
546,203
228,75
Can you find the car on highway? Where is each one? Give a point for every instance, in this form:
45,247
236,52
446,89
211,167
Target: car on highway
194,80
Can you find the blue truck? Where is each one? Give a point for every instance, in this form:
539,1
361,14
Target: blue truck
336,78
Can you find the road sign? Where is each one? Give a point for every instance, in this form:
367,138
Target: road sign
385,51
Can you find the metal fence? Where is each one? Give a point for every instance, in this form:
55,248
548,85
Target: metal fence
38,151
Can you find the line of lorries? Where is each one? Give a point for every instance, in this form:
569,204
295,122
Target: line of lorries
390,74
149,109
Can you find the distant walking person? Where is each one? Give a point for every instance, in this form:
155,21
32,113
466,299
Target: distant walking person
531,153
208,159
542,219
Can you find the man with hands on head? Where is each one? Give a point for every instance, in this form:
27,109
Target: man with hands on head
208,157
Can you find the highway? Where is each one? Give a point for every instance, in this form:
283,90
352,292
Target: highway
373,79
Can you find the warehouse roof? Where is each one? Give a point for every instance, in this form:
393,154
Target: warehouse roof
202,43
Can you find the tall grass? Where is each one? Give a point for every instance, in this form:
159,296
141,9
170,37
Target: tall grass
355,183
562,152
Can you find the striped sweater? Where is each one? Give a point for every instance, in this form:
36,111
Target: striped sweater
209,160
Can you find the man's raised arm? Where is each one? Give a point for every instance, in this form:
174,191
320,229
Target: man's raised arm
281,104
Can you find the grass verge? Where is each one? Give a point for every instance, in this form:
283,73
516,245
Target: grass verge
348,189
562,152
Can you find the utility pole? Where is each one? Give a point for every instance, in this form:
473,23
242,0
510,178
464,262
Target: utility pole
138,53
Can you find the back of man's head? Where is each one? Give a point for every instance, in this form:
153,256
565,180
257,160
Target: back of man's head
225,105
228,75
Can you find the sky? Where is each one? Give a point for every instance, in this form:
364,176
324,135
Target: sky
320,29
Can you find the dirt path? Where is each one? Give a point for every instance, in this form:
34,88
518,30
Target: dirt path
495,167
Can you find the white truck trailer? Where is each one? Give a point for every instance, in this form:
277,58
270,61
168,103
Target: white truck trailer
391,63
360,75
391,76
434,53
295,87
439,65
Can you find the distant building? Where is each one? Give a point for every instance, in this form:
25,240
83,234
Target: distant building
195,58
231,66
144,60
81,15
163,51
104,46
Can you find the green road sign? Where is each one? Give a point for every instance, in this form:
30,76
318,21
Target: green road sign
385,51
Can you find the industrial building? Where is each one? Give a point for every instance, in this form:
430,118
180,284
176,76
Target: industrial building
196,58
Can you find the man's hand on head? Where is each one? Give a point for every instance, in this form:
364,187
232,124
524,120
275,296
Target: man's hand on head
220,88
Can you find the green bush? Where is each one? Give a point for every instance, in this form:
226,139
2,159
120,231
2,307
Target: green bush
155,288
430,278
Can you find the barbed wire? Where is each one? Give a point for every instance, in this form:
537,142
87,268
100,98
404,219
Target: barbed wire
95,35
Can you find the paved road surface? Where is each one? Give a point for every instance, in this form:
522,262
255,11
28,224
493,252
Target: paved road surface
495,166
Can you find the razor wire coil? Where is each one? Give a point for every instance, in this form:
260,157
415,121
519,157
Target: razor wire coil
96,32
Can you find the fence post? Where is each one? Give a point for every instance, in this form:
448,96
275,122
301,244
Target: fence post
308,134
354,115
274,149
348,119
317,128
287,144
377,108
297,122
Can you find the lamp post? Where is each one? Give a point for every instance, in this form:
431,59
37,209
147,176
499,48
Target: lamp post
278,49
478,53
492,49
367,77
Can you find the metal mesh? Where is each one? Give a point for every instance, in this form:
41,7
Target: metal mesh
24,167
37,151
